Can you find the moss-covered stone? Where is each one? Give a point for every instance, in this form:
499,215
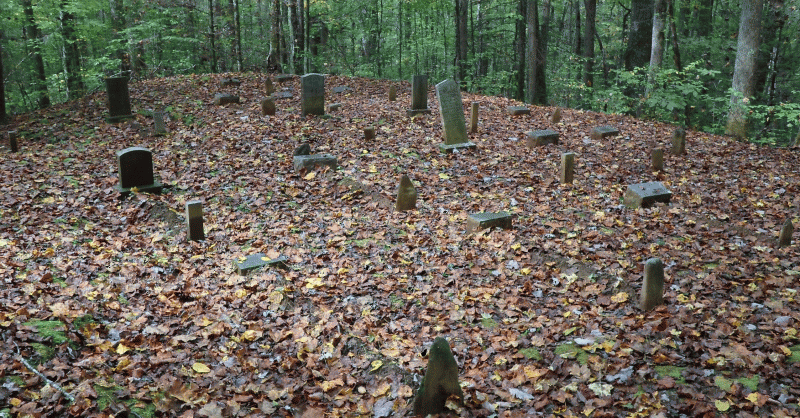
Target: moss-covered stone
440,381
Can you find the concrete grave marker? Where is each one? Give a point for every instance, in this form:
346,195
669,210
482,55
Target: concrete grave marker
452,112
341,89
406,195
268,106
282,95
334,106
653,287
135,168
255,261
312,100
785,237
392,93
194,221
567,167
478,221
159,128
518,110
312,161
221,99
542,137
657,159
556,116
646,194
119,101
369,132
269,88
604,131
679,141
473,118
419,95
12,141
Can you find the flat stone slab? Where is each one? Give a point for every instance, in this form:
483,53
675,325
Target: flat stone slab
518,110
604,131
646,194
542,137
282,95
309,162
449,148
415,112
231,82
341,89
256,261
223,99
282,78
478,221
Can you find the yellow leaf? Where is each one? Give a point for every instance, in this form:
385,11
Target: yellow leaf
516,246
752,397
121,349
330,384
381,390
376,365
619,297
310,176
443,176
200,368
525,271
722,406
251,335
373,169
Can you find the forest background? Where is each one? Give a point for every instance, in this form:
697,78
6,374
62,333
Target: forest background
724,66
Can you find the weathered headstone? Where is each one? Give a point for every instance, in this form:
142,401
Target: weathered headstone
369,132
451,110
567,167
159,127
268,106
556,116
231,81
785,237
312,101
646,194
269,88
542,137
440,381
194,220
392,93
478,221
679,141
221,99
657,159
518,110
406,195
604,131
419,95
334,107
119,101
255,261
135,168
653,285
312,161
303,149
12,141
473,118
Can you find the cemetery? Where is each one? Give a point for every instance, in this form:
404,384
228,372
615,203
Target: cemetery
265,257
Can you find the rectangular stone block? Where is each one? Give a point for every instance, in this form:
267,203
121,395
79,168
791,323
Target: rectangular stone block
542,137
452,111
518,110
159,127
312,101
309,162
268,106
646,194
567,167
419,93
256,261
334,107
478,221
119,100
449,149
194,220
604,131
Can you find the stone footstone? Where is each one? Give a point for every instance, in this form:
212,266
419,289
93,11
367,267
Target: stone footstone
478,221
334,106
282,78
194,220
556,116
392,93
268,106
159,127
135,168
119,100
542,137
653,287
310,162
473,118
419,96
233,81
269,88
451,148
221,99
406,195
679,142
785,237
567,167
369,132
646,194
657,159
256,261
518,110
312,97
604,131
12,141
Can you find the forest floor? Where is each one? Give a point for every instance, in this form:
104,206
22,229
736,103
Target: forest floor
108,300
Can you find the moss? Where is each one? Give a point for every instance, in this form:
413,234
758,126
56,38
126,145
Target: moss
531,353
750,382
52,329
106,396
674,372
572,351
795,356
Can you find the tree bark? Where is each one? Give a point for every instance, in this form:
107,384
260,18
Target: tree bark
657,43
461,38
72,55
744,69
274,56
32,31
588,41
118,25
3,114
536,91
213,36
519,49
637,53
239,59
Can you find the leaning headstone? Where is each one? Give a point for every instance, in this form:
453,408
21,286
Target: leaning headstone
392,93
785,238
452,112
518,110
312,161
269,88
567,167
221,99
657,159
159,128
312,100
268,106
303,149
653,286
478,221
473,118
419,95
255,261
194,220
369,132
119,100
440,381
406,195
12,141
334,107
135,168
232,81
646,194
542,137
603,132
556,116
679,141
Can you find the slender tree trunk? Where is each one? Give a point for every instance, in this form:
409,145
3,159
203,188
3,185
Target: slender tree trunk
657,43
676,58
3,114
588,41
213,36
290,40
274,56
118,25
301,37
34,38
519,48
72,57
239,59
536,91
637,53
744,70
576,5
461,38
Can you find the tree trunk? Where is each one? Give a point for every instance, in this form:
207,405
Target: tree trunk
536,91
72,55
657,43
274,56
704,19
588,41
578,34
519,49
637,53
118,25
213,36
461,38
32,31
3,114
239,59
744,69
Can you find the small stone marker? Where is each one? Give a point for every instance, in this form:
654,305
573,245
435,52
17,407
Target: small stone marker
159,128
221,99
452,112
542,137
604,131
419,95
653,285
312,100
135,165
679,141
311,161
518,110
334,106
232,81
657,159
12,141
194,220
406,195
119,100
369,132
785,238
392,93
556,116
473,118
282,95
341,89
303,149
478,221
282,78
269,88
440,381
256,261
567,167
646,194
268,106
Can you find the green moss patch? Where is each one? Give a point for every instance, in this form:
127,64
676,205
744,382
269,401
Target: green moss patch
52,329
572,351
531,353
674,372
107,396
795,356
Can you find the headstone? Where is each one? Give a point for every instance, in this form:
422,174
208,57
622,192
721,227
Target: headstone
334,107
341,89
255,261
282,78
473,118
478,221
194,220
653,286
452,112
440,381
119,101
369,132
312,161
269,88
679,141
303,149
518,110
135,168
657,159
785,238
646,194
268,106
603,132
556,116
232,81
567,167
312,101
406,195
419,95
12,141
221,99
392,93
542,137
159,128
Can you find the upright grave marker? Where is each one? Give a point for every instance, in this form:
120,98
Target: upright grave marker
268,106
419,95
119,100
473,119
785,237
369,132
135,165
653,286
657,159
269,88
646,195
12,141
392,93
679,141
567,167
452,111
194,220
159,128
406,195
556,116
440,381
312,101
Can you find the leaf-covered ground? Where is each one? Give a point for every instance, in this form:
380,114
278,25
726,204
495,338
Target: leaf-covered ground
108,299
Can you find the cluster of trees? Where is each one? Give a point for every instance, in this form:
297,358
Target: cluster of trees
715,65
